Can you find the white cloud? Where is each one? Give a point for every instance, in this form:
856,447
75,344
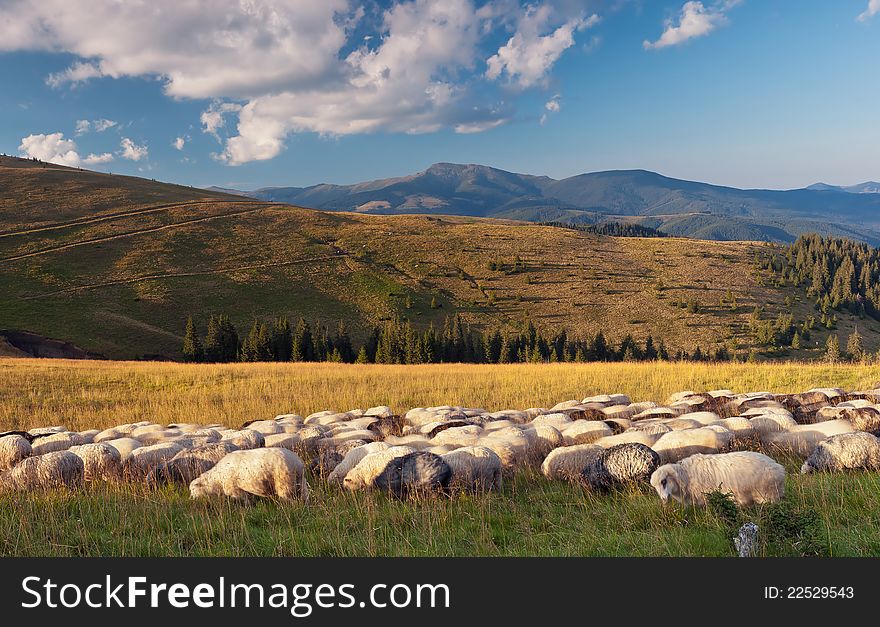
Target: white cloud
214,117
131,150
695,20
179,143
103,124
872,10
53,148
528,56
277,67
76,74
552,104
99,126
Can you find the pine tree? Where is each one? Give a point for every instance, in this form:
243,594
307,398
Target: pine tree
192,345
796,341
854,345
362,357
302,348
213,343
650,351
832,348
342,343
229,343
282,340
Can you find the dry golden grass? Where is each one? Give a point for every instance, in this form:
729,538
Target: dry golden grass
93,394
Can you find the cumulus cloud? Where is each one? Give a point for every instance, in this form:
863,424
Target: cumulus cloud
872,10
695,20
277,67
131,150
82,127
53,148
179,143
529,55
103,124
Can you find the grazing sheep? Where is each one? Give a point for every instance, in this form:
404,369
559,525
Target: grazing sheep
460,436
802,439
583,432
13,449
741,428
58,469
352,458
125,446
186,465
365,472
751,478
863,418
847,451
542,439
57,442
144,459
414,473
263,472
475,468
652,427
677,445
766,425
245,439
680,424
638,437
569,462
623,463
101,461
383,427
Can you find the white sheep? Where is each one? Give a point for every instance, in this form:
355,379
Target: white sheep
190,463
58,469
584,432
677,445
101,461
365,472
146,458
751,478
244,439
800,440
13,449
568,462
352,458
125,446
636,437
262,472
847,451
56,442
624,463
474,468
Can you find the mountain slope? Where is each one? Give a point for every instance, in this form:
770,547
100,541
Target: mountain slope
475,190
120,279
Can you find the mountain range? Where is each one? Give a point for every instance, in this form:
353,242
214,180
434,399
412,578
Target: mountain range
677,207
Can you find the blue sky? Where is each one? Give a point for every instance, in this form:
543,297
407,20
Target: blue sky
748,93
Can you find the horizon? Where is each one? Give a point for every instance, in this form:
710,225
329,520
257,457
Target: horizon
721,91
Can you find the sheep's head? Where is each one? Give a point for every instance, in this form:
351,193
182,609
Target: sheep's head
806,468
352,481
198,488
666,481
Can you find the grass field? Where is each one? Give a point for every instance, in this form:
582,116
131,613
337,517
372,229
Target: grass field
821,514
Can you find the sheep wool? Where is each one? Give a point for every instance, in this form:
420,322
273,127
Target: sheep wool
352,458
58,469
569,462
751,478
474,468
13,449
418,473
366,471
263,472
56,442
245,439
624,463
101,461
677,445
847,451
189,464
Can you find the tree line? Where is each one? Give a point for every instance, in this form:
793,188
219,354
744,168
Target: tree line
397,341
614,229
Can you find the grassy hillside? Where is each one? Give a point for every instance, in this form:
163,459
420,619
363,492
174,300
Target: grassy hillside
116,264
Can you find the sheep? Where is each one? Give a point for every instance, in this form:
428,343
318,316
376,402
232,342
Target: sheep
382,411
101,461
125,446
365,472
741,428
144,459
652,427
460,436
584,432
568,462
677,445
57,442
13,449
623,463
800,440
245,439
58,469
542,439
186,465
767,424
639,437
383,427
680,424
863,418
847,451
750,477
414,473
352,458
266,427
262,472
474,468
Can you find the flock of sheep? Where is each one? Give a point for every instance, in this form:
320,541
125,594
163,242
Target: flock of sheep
691,445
